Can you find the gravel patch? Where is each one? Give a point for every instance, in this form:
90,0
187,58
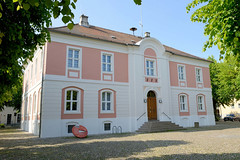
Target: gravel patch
215,142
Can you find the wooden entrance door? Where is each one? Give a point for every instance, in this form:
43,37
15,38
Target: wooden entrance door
152,106
9,119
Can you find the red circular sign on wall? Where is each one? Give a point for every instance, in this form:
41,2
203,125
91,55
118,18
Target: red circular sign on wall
80,131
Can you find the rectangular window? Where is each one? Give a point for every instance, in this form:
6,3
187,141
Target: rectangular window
70,128
106,101
72,100
232,106
238,105
150,71
200,103
183,103
107,126
73,58
198,75
181,72
106,63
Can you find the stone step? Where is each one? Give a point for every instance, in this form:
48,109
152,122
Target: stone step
157,126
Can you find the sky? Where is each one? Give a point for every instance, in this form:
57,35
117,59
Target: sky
166,20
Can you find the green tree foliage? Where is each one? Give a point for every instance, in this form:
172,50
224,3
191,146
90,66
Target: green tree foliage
23,26
138,2
222,24
225,80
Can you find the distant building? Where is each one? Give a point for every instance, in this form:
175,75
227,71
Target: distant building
9,116
233,108
101,79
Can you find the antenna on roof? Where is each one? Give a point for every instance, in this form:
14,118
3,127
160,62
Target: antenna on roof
141,23
133,29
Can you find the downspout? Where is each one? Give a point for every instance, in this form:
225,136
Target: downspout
40,126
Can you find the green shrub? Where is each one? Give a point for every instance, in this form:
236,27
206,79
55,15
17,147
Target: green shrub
2,125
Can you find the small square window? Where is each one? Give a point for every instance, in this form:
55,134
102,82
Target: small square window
70,128
107,126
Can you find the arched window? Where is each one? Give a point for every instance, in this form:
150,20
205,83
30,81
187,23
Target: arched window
35,103
72,100
107,103
72,103
183,101
201,104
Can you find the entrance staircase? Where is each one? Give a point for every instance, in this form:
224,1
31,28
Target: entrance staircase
157,126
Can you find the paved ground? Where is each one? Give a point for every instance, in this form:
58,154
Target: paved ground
219,142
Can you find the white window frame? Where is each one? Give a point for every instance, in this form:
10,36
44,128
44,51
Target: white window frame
73,59
111,102
201,103
200,74
232,106
71,101
112,62
184,72
238,105
154,67
184,102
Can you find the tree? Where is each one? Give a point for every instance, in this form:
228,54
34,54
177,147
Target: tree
222,24
24,27
225,80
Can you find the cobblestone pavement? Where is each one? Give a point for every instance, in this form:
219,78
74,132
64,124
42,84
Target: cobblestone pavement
216,142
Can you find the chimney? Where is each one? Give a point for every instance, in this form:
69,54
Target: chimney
84,21
147,34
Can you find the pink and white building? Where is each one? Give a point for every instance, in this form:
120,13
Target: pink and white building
103,80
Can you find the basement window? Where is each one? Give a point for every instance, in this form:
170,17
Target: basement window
70,128
107,126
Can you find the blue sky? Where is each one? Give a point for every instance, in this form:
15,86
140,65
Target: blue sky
166,20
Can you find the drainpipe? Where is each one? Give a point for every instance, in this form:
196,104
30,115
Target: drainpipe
40,126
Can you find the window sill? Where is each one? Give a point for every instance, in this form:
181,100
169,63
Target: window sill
73,68
72,112
109,72
183,111
106,112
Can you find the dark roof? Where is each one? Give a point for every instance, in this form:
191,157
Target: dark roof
113,36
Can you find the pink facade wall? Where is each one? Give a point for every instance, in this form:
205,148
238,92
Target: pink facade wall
120,67
150,52
173,73
91,63
206,77
190,75
56,59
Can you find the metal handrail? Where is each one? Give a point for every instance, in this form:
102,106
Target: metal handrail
141,116
166,115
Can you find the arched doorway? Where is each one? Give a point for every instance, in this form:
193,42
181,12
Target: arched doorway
151,106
